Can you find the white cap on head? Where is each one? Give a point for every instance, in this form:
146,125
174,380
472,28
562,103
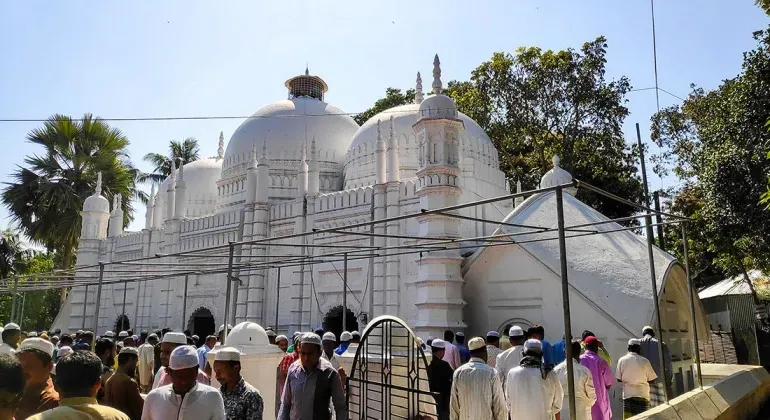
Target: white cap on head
222,327
311,338
227,354
135,337
79,332
329,336
493,333
12,327
153,335
355,334
270,333
476,343
346,336
109,334
123,334
37,344
459,334
515,331
281,338
533,344
647,327
63,351
32,334
175,337
634,342
195,337
129,350
438,343
183,357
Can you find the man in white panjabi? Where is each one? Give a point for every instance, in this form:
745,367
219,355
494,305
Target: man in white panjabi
533,393
185,398
510,358
476,391
585,394
147,362
493,347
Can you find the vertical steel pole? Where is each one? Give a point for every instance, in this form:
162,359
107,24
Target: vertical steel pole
15,295
565,302
277,298
184,301
345,294
694,315
136,308
229,290
85,303
21,317
651,257
98,298
123,317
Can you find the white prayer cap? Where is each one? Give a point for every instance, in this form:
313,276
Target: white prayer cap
281,337
63,351
438,343
460,334
12,327
153,335
109,334
32,334
647,327
123,334
175,337
493,333
270,333
129,350
37,344
634,342
296,333
533,344
135,337
346,336
222,327
310,338
329,336
476,343
356,334
79,332
195,337
227,354
183,357
515,331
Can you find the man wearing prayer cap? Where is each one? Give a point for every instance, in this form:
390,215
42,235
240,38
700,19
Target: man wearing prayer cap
203,350
221,333
585,393
282,342
36,358
532,391
440,377
78,382
270,335
242,400
146,361
123,334
636,374
288,360
329,341
185,397
311,386
493,347
601,373
465,354
451,352
355,337
32,334
649,349
345,338
109,334
172,341
121,391
11,335
510,358
476,390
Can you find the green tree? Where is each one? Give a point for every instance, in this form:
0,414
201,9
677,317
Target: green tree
46,195
717,141
40,307
12,254
184,151
393,97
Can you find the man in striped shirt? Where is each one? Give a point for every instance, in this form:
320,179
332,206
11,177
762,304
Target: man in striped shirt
476,390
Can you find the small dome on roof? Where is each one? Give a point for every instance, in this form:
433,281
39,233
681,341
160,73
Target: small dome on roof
96,203
438,106
556,176
247,334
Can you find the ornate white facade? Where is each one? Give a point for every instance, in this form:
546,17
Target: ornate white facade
302,164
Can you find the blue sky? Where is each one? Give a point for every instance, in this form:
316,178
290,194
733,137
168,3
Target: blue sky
195,58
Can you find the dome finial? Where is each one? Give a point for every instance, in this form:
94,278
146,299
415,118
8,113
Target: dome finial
379,133
221,148
98,190
418,90
436,75
264,148
555,161
307,69
253,161
392,128
303,151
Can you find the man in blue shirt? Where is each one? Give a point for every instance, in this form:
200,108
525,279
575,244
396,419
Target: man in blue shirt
465,354
203,350
345,338
537,332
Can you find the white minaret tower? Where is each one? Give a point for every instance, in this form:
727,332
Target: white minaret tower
439,284
157,211
313,176
170,193
263,177
394,167
302,173
116,217
180,200
418,90
251,176
221,147
94,220
380,156
150,209
518,200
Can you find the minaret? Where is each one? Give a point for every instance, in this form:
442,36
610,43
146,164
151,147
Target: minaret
251,176
313,175
302,173
418,90
394,166
150,209
380,156
439,284
180,200
263,176
157,211
170,193
96,214
518,200
116,217
221,148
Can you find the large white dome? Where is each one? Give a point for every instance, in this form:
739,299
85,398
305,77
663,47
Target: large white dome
200,178
285,125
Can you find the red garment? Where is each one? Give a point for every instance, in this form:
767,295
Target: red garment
286,362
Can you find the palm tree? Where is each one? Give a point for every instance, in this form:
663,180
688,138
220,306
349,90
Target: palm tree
47,193
184,151
12,254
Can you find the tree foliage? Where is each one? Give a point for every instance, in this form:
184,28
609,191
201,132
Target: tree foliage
717,142
184,151
46,195
39,308
393,97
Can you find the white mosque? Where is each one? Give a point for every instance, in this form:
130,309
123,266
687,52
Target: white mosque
301,164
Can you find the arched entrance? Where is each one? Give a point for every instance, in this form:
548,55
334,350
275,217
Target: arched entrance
333,321
201,323
505,326
121,324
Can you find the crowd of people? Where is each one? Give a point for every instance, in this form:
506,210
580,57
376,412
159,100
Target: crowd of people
167,375
522,376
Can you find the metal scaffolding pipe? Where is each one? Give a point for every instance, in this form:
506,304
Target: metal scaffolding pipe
229,289
98,298
565,302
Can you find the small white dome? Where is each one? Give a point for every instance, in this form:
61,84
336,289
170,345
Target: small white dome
438,106
200,179
556,176
97,204
247,334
